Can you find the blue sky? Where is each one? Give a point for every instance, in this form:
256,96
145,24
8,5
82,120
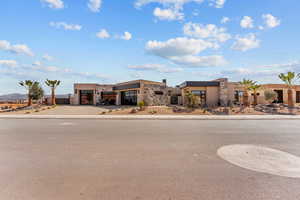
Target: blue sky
109,41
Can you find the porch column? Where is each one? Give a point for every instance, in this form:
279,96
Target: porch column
118,99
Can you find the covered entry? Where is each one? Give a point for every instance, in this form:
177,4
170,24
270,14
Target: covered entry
279,96
297,96
108,98
129,97
86,97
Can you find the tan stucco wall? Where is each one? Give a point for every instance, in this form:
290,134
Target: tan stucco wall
212,94
95,87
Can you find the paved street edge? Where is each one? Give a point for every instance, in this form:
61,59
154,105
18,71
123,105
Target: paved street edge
156,117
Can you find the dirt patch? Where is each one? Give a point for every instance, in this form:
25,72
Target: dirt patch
11,105
180,110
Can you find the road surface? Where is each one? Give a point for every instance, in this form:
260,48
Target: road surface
140,160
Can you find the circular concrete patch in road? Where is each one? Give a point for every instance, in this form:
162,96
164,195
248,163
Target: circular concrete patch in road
262,159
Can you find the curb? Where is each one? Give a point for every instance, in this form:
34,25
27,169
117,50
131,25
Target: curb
156,117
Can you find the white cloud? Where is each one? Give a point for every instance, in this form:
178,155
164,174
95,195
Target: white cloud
178,4
247,22
246,43
95,5
184,51
172,8
64,25
136,75
127,36
37,63
155,67
209,31
168,14
56,4
265,73
41,72
178,47
200,61
261,28
103,34
271,21
9,63
52,69
225,20
218,3
17,48
47,57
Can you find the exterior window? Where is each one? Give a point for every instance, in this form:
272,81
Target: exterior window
237,96
298,97
198,92
75,91
129,97
158,92
202,96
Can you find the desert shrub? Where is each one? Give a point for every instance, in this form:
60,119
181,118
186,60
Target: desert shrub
133,111
270,96
141,105
192,99
152,112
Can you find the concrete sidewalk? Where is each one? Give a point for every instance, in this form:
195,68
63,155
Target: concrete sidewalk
157,117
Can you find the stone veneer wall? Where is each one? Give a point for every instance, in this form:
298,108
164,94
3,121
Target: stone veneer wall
223,92
152,99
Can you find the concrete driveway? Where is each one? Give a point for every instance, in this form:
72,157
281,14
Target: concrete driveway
73,110
66,110
144,159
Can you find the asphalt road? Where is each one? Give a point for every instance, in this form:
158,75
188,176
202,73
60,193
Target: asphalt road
139,159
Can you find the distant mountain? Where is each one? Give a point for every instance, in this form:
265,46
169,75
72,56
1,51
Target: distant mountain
17,96
13,97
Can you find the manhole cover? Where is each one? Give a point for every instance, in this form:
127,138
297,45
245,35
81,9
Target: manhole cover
262,159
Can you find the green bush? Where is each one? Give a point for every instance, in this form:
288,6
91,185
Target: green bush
141,105
270,96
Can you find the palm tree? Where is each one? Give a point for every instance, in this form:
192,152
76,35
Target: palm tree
246,83
28,84
289,79
53,84
255,87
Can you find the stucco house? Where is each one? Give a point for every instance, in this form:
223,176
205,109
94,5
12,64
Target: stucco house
126,93
219,92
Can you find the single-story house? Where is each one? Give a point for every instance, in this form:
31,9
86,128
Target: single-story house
126,93
219,92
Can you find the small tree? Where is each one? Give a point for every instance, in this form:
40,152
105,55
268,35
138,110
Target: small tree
53,84
191,98
37,91
246,83
254,88
289,79
29,86
270,96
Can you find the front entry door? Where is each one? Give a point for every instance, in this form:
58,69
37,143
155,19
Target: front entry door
280,96
298,97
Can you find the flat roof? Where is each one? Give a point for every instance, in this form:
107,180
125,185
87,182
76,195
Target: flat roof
200,84
138,81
